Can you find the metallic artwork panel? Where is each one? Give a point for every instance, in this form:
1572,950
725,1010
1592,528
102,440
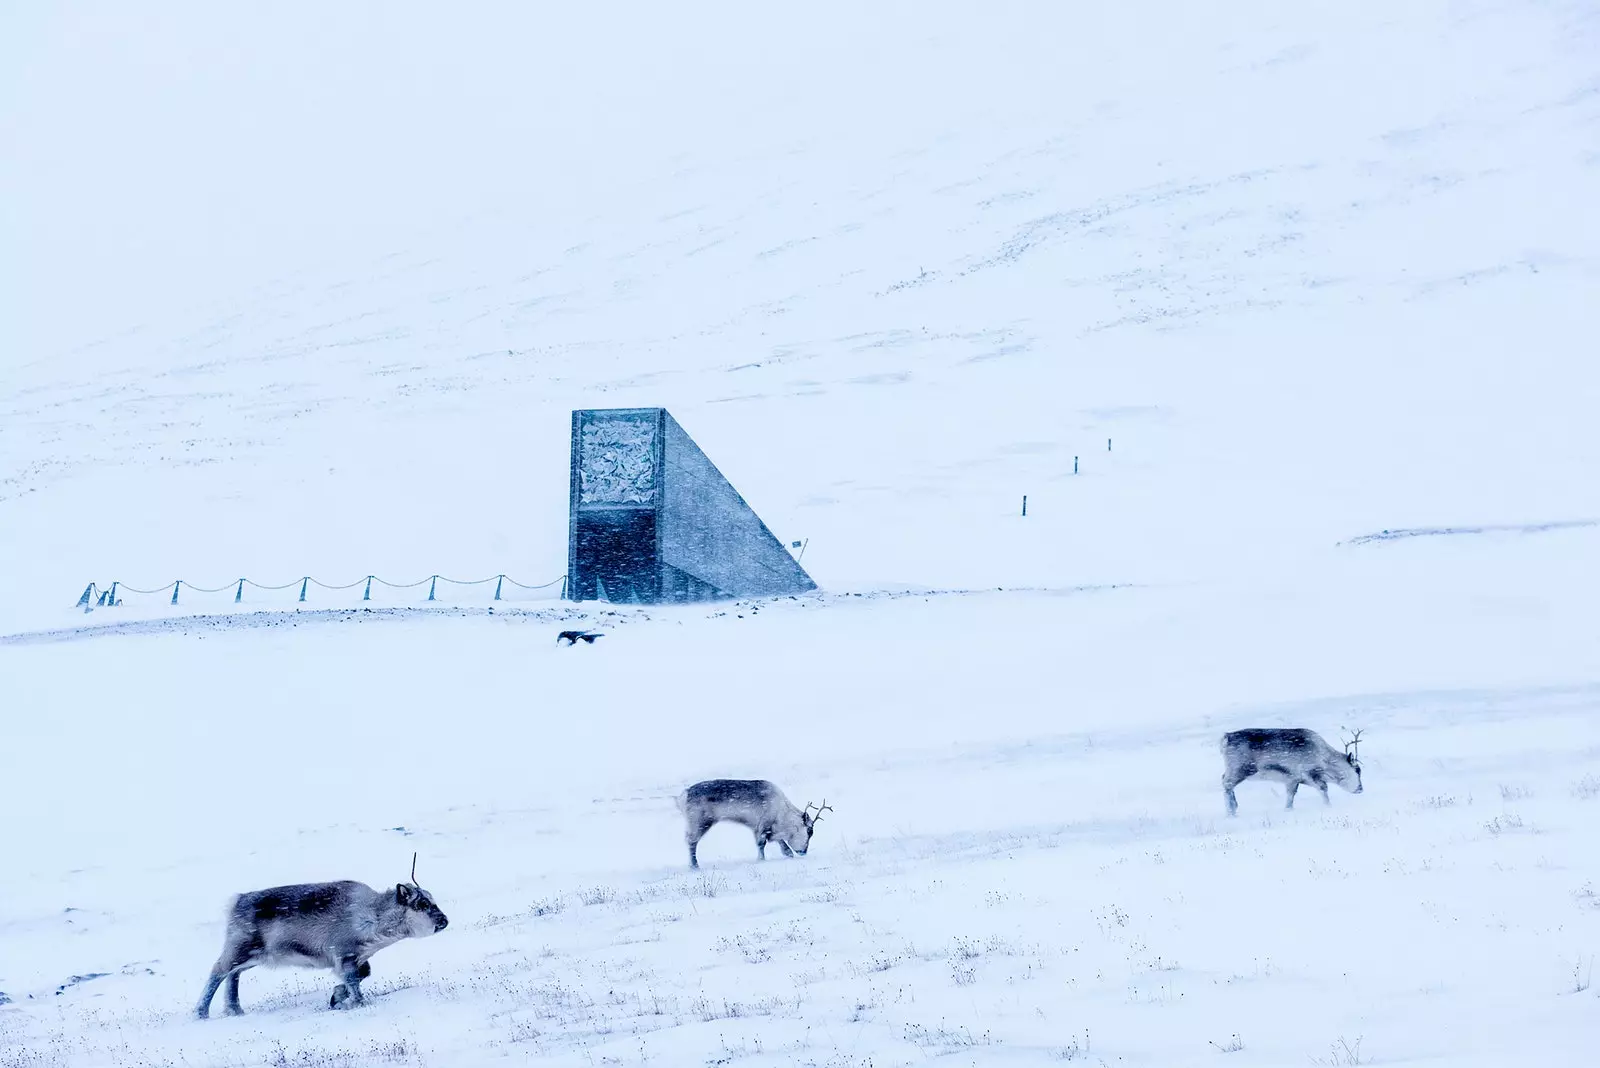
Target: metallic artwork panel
617,460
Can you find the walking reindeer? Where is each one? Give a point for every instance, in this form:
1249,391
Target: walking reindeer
1292,756
319,925
758,805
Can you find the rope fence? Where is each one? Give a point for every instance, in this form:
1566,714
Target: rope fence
94,596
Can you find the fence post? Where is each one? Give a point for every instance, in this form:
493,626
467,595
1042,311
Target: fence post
431,586
303,584
497,584
367,596
175,584
1074,465
88,591
238,594
112,601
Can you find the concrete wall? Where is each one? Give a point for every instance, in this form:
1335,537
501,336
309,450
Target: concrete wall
706,529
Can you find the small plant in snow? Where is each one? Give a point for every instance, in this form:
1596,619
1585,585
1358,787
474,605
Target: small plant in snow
24,1057
1074,1049
1233,1045
1587,788
708,885
1512,793
393,1050
731,1053
945,1039
375,1052
546,907
751,949
862,1008
597,895
1581,975
880,962
1342,1053
708,1010
967,949
1502,824
523,1031
550,906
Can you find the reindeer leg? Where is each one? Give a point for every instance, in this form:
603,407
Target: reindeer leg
1232,775
218,974
234,1009
785,847
693,835
1233,778
237,955
1320,781
348,992
761,844
341,993
1291,788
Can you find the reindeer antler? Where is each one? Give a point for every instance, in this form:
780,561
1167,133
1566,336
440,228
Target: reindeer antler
824,807
1351,744
413,869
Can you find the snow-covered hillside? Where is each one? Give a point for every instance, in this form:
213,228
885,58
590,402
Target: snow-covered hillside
303,292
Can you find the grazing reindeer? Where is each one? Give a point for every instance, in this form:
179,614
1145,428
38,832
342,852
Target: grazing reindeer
758,805
1291,756
319,925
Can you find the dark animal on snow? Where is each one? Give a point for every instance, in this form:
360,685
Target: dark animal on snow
572,636
1291,756
318,925
758,805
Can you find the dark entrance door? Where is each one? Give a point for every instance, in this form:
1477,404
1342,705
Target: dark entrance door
615,556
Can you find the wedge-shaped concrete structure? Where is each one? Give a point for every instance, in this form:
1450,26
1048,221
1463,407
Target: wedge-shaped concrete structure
653,521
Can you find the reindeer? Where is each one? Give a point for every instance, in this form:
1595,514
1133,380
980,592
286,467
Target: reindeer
1288,755
757,804
319,925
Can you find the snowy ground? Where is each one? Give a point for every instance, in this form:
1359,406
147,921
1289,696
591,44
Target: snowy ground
1028,857
1318,275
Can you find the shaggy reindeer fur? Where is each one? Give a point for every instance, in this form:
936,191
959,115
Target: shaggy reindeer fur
1288,755
318,925
757,804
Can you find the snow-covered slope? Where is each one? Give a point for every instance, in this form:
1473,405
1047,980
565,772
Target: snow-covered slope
313,293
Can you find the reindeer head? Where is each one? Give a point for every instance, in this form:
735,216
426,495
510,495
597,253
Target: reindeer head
423,917
1351,744
808,825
